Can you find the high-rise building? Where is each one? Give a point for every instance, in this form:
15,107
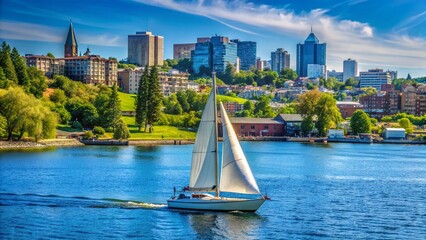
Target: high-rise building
374,78
334,74
145,49
280,59
316,71
214,54
70,46
350,69
310,52
246,51
259,64
182,51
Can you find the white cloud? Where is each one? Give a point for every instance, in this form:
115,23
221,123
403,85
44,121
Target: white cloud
37,32
345,38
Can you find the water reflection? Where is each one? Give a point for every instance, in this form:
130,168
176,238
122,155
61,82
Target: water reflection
234,225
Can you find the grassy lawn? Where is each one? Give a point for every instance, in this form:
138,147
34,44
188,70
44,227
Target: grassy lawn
67,128
127,101
224,98
168,132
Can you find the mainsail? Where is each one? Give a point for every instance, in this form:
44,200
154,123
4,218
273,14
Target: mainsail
236,174
203,174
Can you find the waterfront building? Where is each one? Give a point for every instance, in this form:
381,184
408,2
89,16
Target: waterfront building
350,69
408,99
49,66
374,78
70,46
394,133
310,52
145,49
316,71
280,59
170,82
214,54
421,100
255,127
182,51
246,52
393,99
347,108
374,105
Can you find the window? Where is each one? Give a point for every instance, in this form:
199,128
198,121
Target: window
266,126
242,126
252,127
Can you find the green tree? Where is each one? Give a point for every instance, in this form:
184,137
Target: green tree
113,113
262,108
23,113
58,96
101,104
351,82
38,83
307,125
289,74
49,54
406,124
4,83
121,131
183,100
142,100
154,99
288,109
328,114
360,122
20,69
98,130
7,64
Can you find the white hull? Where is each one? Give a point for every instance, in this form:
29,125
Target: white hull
217,204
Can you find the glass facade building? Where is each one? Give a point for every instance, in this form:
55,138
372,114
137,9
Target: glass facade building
246,51
310,52
280,60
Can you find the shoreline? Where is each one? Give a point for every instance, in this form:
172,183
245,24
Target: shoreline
52,143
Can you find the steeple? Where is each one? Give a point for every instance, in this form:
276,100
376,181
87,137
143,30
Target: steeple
70,47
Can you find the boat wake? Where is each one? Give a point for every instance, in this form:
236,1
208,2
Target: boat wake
51,200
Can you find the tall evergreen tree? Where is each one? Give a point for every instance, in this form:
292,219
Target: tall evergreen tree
4,83
154,99
6,63
114,108
20,69
142,99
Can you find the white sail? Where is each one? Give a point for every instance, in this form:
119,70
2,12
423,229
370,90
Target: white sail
236,175
203,165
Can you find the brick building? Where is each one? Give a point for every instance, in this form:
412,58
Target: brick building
348,108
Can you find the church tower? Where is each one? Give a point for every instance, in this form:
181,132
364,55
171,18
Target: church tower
70,47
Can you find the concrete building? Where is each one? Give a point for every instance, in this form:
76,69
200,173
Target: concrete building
145,49
393,74
408,99
280,59
310,52
49,66
374,105
170,82
350,69
348,108
374,78
259,64
334,74
91,69
316,71
182,51
246,52
214,54
256,127
421,100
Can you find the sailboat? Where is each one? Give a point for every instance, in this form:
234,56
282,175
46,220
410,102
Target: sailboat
232,174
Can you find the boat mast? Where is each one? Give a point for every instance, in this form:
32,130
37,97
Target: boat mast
215,135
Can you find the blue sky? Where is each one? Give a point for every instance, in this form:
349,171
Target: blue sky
387,34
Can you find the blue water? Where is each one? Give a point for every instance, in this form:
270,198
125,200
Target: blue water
333,191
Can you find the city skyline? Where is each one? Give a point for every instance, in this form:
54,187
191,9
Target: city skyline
386,40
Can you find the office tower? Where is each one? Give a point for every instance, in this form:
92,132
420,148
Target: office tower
310,52
246,51
214,54
374,78
350,69
316,71
280,59
182,51
145,49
